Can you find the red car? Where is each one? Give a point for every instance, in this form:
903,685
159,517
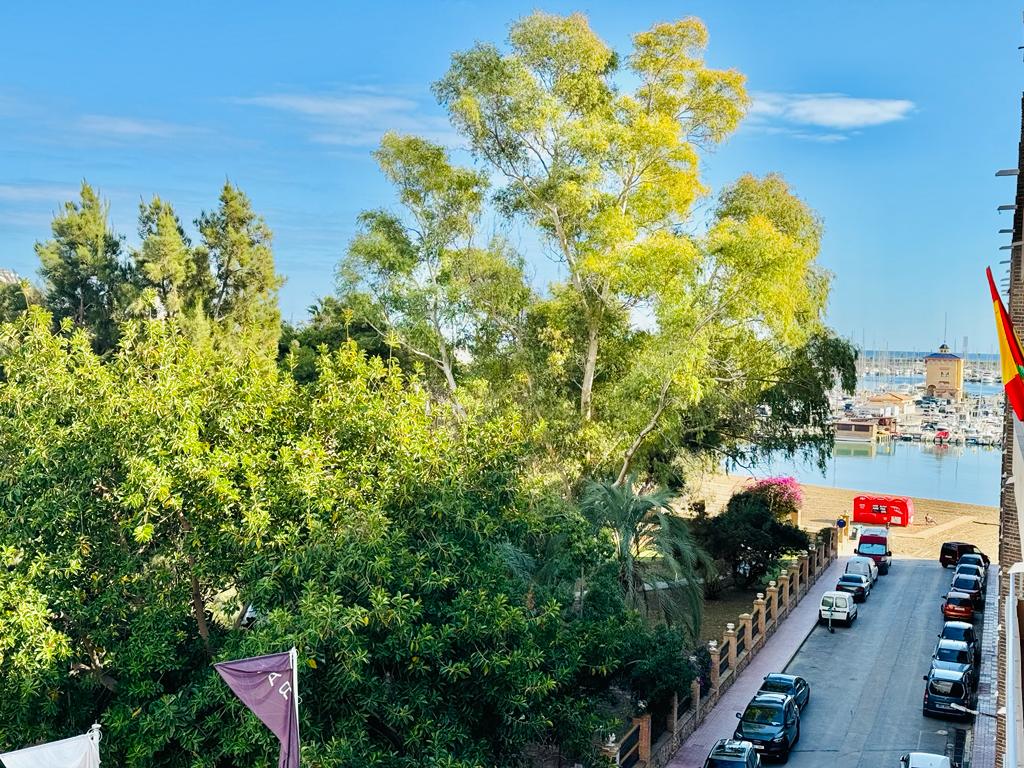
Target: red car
958,607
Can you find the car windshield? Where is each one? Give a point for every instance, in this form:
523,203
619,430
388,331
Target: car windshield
776,686
851,579
723,762
946,688
954,633
959,601
952,654
965,582
871,549
762,715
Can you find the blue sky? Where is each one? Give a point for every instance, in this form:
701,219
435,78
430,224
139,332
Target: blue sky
888,118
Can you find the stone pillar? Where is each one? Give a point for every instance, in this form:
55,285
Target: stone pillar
773,600
644,721
695,700
805,570
716,660
673,711
745,623
784,589
730,637
794,579
812,564
759,604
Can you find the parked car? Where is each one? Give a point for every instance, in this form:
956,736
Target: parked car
791,685
970,585
771,722
874,543
838,606
969,569
954,654
924,760
730,753
964,632
952,551
863,565
943,688
958,606
856,584
974,558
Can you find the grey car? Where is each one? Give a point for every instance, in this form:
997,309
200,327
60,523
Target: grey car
954,655
730,753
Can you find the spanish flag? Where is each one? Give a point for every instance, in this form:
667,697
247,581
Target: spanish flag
1010,355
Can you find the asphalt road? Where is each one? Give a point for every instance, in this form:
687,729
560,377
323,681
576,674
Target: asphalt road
866,686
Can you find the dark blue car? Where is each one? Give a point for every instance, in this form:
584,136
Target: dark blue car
771,722
791,685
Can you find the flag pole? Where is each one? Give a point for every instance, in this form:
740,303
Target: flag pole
295,687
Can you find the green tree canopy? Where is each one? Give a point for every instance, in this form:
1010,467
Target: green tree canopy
86,278
151,498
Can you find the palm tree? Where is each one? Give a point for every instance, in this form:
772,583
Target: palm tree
661,567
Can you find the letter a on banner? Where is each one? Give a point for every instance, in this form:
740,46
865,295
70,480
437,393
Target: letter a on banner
268,685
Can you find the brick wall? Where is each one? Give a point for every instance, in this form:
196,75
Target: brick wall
1009,532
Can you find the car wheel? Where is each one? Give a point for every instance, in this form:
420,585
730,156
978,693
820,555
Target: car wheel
784,757
797,734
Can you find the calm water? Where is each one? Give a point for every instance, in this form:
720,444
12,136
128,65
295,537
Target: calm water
879,383
968,474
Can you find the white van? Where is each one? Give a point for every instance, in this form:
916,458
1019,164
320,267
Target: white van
838,606
865,566
923,760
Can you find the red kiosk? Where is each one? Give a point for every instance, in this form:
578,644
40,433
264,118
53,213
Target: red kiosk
883,510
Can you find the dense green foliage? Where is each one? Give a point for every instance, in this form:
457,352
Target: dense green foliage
752,534
149,499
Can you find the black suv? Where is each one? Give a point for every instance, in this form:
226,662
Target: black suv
952,550
771,722
728,753
945,688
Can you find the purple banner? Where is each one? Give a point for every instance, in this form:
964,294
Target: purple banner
268,686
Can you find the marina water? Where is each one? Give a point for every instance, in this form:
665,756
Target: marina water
968,474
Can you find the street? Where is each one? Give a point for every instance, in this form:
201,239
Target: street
866,686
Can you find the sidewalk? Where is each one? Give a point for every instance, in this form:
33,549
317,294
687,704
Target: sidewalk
776,654
984,735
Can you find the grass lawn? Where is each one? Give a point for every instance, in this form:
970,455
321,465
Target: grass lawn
726,608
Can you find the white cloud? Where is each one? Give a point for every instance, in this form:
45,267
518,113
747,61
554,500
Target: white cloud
357,117
50,193
112,126
836,112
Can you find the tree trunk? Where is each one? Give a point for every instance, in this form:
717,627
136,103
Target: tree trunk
589,370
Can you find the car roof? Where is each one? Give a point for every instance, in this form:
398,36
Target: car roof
950,675
958,625
769,698
837,593
946,642
961,595
966,576
781,677
731,748
860,559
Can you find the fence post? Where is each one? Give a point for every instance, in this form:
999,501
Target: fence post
730,637
813,562
673,712
822,556
773,600
784,589
805,570
794,579
759,607
644,752
716,660
695,700
745,622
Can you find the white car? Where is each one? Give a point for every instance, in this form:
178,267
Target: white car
924,760
839,607
864,566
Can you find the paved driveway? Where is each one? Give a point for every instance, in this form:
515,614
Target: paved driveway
866,686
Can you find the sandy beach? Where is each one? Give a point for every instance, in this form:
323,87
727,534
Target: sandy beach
823,505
